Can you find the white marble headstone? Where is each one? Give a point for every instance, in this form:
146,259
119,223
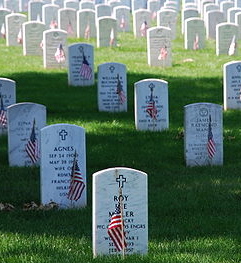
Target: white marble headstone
188,13
86,24
213,18
103,10
13,24
67,21
23,120
3,13
71,4
159,52
226,39
52,40
128,188
224,6
151,105
35,10
106,32
122,15
203,134
81,64
194,33
50,15
7,98
13,5
138,4
232,85
32,38
62,146
141,22
87,5
112,87
168,18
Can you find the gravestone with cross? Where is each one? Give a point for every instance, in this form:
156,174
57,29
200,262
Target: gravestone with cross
81,64
63,165
24,123
232,85
203,134
151,105
125,190
112,87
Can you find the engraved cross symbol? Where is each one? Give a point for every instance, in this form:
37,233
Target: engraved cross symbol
121,180
63,134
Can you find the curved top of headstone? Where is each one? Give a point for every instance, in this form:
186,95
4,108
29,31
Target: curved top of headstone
60,125
81,44
119,169
151,80
203,103
21,104
106,64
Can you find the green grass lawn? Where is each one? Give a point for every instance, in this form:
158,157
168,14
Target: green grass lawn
194,213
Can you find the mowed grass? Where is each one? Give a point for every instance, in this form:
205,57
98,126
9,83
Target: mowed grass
194,213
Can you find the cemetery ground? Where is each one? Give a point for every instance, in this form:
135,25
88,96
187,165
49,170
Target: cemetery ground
194,213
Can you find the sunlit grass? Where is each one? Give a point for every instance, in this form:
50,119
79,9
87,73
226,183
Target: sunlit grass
194,213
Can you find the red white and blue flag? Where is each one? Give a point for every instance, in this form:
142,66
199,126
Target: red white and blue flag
122,23
151,108
59,54
87,32
143,29
120,91
32,148
85,70
3,114
20,36
196,42
163,53
3,31
112,37
116,229
77,183
211,147
53,24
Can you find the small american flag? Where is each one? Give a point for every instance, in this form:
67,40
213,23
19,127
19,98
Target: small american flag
196,42
32,146
3,31
151,108
87,32
77,183
143,29
53,24
211,144
112,37
232,47
20,36
3,115
163,53
70,30
122,23
115,229
85,70
154,15
59,54
120,91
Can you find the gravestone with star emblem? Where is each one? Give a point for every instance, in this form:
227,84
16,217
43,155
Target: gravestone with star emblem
232,85
203,134
81,64
121,192
151,105
112,87
63,165
7,98
24,123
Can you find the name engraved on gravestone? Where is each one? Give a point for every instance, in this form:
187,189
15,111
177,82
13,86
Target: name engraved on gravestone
120,192
151,105
203,139
7,98
63,165
112,90
232,85
81,64
24,123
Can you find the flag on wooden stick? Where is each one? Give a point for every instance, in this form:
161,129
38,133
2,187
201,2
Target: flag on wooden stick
211,148
115,229
59,54
32,148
